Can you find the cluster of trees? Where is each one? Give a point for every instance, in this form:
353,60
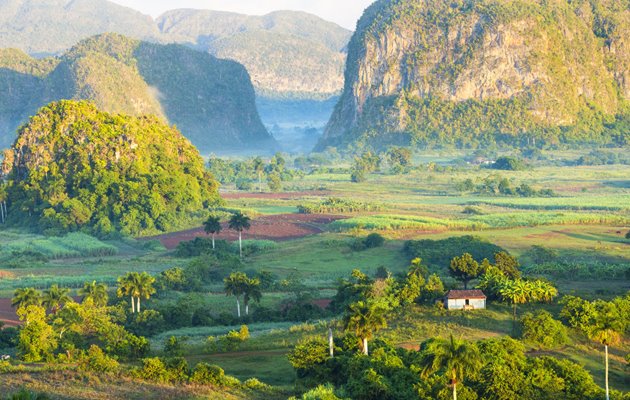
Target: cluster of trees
74,167
398,159
441,368
499,185
245,174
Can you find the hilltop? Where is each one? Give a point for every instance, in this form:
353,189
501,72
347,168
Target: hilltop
468,73
48,27
212,101
289,54
74,167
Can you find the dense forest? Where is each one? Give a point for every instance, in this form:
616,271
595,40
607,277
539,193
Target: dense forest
74,167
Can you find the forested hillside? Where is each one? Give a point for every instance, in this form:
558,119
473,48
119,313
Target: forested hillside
466,73
212,101
47,27
288,54
74,167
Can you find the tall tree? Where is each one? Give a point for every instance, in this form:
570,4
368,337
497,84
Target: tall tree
239,222
97,292
465,268
235,285
259,168
212,226
145,287
128,286
251,291
457,358
516,292
364,318
55,297
24,297
607,330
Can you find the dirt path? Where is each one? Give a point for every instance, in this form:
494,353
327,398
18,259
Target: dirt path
280,227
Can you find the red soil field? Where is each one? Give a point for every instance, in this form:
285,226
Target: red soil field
7,313
279,227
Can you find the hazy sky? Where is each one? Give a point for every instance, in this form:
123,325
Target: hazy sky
344,12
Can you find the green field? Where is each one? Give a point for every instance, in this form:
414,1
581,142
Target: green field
583,225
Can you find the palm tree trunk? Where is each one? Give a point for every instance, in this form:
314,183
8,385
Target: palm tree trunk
213,241
133,305
607,393
365,346
240,244
454,391
331,343
138,303
247,309
238,308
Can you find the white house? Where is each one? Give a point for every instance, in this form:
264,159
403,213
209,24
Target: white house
465,299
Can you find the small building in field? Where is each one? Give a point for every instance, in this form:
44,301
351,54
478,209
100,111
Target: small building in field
465,300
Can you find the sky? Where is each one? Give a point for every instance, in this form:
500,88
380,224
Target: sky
343,12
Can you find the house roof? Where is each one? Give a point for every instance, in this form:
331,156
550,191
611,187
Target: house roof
465,294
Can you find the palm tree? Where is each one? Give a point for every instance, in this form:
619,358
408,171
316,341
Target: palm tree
455,357
212,226
251,292
55,297
239,222
235,285
516,292
145,287
607,329
363,319
95,291
128,286
25,297
259,167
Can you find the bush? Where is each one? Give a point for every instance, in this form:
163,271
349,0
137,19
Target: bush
178,369
628,235
154,370
206,374
97,361
508,164
542,329
374,240
472,210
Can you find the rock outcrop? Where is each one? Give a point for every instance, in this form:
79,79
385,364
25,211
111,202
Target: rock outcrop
464,72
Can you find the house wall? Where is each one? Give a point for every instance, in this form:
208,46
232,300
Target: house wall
458,304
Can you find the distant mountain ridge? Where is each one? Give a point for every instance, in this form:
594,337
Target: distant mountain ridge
288,54
211,101
466,73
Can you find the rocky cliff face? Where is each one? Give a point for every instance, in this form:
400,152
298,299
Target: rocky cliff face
462,70
212,101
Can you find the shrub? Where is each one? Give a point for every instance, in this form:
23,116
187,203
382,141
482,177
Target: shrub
206,374
255,384
628,235
97,361
508,164
542,329
153,369
374,240
178,369
321,392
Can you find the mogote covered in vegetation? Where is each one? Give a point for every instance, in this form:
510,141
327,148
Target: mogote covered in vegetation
420,200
